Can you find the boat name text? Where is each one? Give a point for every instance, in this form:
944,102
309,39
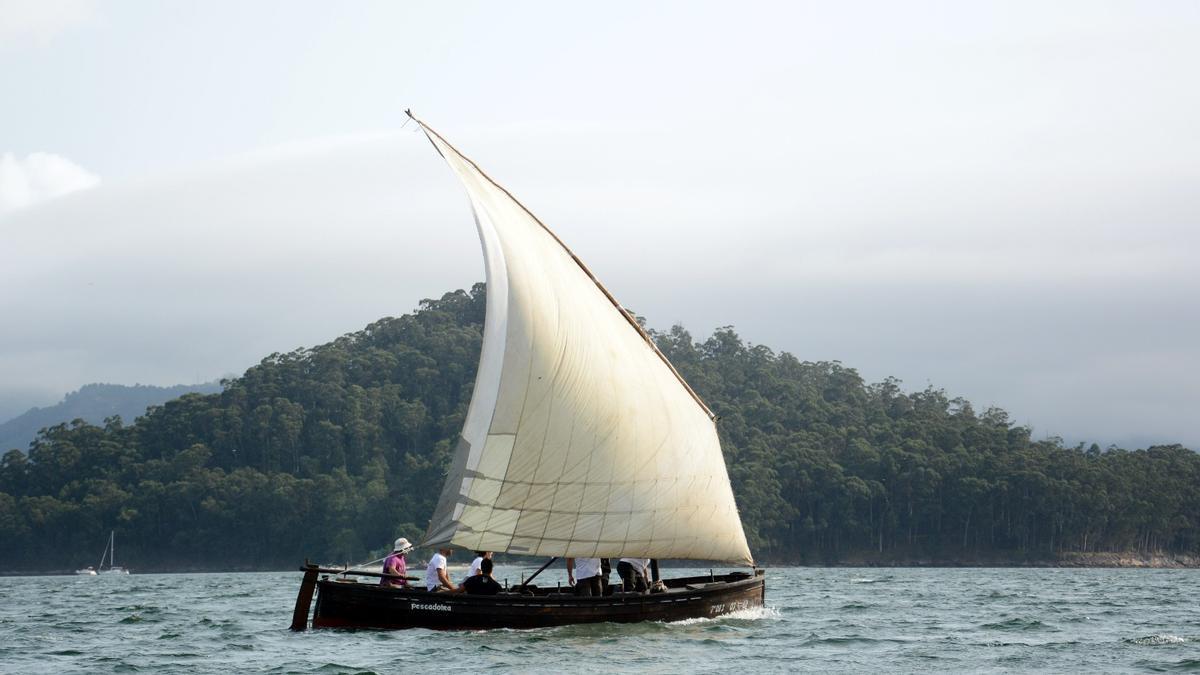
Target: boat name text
434,608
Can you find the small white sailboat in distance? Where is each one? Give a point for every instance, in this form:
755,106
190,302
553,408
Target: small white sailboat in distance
110,552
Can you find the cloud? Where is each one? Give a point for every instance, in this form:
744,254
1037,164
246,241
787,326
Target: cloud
38,177
40,21
1076,313
187,276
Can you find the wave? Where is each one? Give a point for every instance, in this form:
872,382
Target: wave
1041,645
1158,639
1018,624
340,668
849,640
1182,666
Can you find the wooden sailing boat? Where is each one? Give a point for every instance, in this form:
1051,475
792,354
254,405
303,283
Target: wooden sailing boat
581,440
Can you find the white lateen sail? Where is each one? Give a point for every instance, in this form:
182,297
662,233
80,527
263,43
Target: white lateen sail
581,440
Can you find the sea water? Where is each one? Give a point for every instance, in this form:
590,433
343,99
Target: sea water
816,619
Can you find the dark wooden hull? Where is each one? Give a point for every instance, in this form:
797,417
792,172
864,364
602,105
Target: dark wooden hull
342,604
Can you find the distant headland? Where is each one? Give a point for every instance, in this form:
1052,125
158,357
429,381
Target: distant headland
331,452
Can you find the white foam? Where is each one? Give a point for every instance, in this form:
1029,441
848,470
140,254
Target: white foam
751,614
1159,639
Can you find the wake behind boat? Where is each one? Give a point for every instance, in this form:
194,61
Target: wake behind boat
581,440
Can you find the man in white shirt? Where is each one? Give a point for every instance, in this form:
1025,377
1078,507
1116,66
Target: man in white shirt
635,574
584,574
480,556
436,578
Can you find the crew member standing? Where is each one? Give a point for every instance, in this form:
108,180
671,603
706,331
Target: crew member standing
634,574
584,574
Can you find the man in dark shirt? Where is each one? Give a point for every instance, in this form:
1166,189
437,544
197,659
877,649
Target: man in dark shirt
482,583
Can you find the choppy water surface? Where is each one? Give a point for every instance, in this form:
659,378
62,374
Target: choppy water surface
893,620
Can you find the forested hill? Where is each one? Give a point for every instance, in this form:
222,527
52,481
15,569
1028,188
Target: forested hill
331,452
93,403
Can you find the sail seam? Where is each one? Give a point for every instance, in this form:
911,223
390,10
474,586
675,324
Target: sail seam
545,434
557,485
582,497
484,225
538,465
512,450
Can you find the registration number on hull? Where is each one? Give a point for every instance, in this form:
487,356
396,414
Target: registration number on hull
727,607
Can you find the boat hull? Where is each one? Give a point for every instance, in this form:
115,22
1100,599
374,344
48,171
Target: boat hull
342,604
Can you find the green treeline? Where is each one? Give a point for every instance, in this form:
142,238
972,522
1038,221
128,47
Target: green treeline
331,452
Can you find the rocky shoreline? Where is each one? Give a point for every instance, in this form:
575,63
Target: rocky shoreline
1157,560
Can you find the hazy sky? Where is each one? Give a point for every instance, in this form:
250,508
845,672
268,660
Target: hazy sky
1002,200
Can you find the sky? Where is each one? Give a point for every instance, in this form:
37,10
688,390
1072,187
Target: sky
1001,200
